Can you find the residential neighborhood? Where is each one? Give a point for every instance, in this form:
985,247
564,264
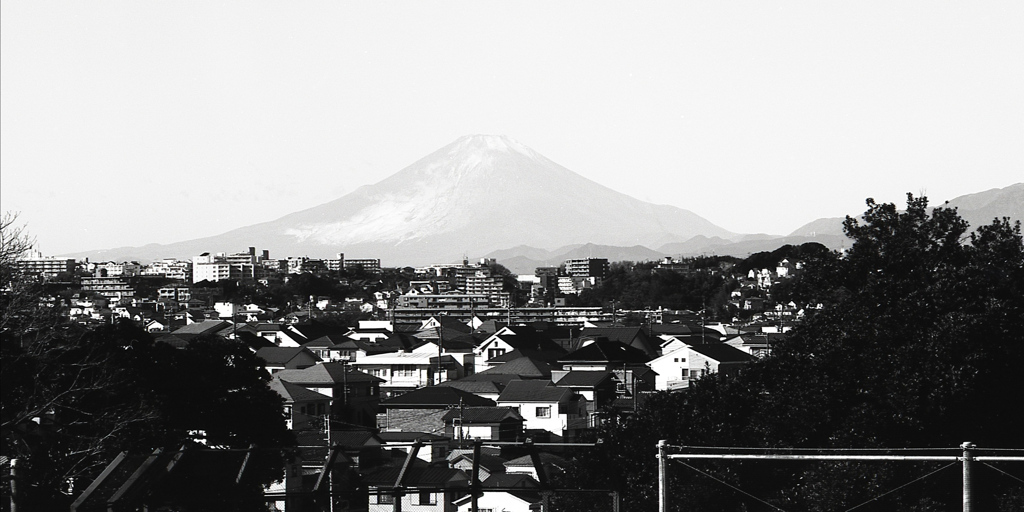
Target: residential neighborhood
458,387
424,379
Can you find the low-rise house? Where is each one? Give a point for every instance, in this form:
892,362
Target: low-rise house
406,371
328,348
542,405
672,369
627,364
490,465
423,410
630,336
426,489
513,363
276,359
525,339
716,358
511,493
486,385
355,395
598,387
304,408
486,423
550,463
433,447
755,344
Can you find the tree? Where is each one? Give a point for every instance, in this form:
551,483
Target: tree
74,397
918,348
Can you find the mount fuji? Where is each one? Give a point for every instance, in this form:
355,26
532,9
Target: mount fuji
479,194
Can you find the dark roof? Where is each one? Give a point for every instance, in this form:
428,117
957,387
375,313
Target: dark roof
522,366
528,339
282,355
674,329
545,458
491,326
547,357
476,387
174,341
507,480
492,463
430,476
326,373
436,397
327,340
296,393
532,391
252,340
464,342
397,341
583,379
632,336
354,438
605,351
482,414
722,353
201,328
313,329
497,379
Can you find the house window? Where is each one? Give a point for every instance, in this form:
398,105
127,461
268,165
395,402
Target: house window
544,412
403,370
495,352
427,498
385,498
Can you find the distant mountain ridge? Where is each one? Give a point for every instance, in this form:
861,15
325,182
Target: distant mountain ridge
977,209
482,194
475,195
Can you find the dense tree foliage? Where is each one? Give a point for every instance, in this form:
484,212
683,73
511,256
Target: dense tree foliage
73,398
920,344
640,286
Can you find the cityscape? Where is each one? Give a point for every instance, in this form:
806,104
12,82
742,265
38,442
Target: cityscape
463,256
450,386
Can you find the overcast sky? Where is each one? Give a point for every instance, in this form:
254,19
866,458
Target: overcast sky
126,123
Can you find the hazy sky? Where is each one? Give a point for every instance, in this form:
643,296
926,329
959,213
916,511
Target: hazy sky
126,123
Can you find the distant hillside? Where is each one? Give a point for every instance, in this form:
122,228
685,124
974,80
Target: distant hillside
977,209
474,196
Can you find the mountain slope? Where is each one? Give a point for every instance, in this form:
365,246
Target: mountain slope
475,195
977,209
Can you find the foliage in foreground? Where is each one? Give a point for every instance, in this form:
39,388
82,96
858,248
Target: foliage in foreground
73,398
920,346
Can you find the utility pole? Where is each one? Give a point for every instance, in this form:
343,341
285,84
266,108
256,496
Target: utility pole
967,462
330,468
14,485
662,478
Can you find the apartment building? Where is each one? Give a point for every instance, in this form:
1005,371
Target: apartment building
45,266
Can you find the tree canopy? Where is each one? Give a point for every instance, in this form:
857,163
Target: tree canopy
920,344
74,397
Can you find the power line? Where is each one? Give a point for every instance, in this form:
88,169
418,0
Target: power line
902,486
1004,472
733,487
